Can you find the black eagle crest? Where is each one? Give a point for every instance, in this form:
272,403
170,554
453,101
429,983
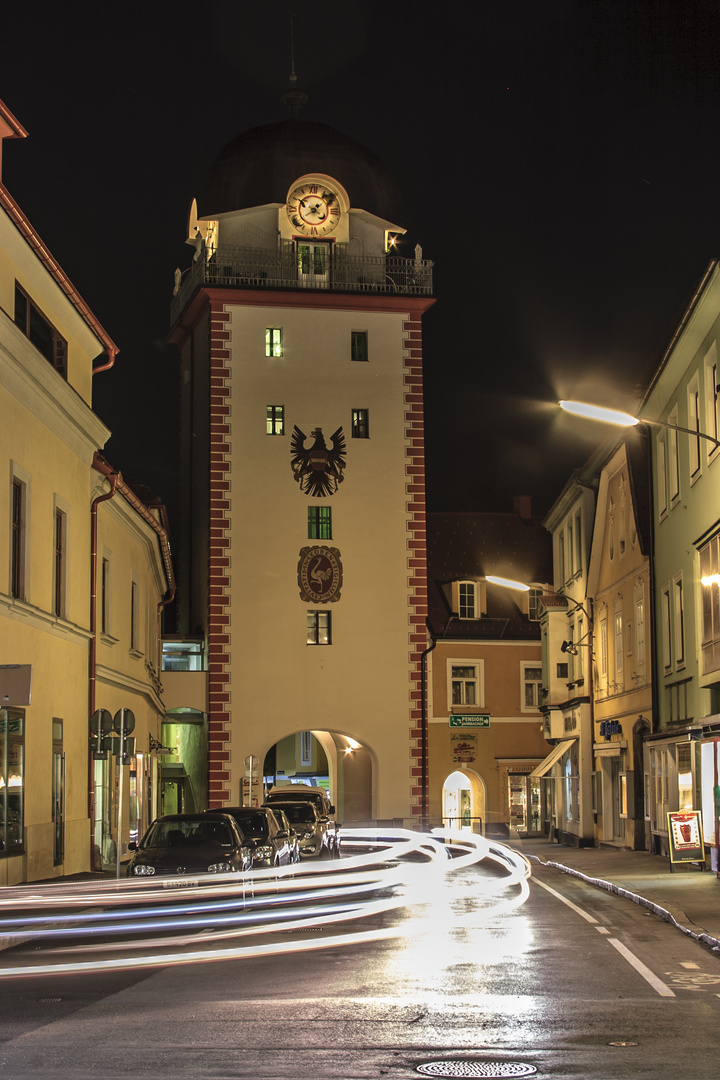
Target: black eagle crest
318,471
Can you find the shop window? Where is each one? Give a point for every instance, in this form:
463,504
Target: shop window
12,781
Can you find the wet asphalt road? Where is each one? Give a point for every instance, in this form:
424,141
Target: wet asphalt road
575,983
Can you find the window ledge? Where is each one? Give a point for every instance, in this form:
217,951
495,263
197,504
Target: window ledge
136,654
106,639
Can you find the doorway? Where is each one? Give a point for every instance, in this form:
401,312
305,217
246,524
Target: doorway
463,801
314,265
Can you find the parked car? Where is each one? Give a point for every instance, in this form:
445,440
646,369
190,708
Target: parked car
184,845
320,799
312,830
270,843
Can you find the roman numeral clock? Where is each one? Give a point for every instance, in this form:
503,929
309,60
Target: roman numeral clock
313,208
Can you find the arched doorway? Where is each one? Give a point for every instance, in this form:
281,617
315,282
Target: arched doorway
463,801
328,759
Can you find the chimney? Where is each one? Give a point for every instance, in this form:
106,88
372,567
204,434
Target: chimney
522,506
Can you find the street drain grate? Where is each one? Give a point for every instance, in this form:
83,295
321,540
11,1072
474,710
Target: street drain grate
477,1068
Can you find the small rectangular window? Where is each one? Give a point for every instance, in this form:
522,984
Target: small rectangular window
17,540
319,523
531,685
273,341
360,424
466,599
679,621
276,419
12,780
319,627
135,617
40,331
105,597
464,684
59,563
358,345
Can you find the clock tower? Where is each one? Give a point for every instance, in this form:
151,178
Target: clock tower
302,546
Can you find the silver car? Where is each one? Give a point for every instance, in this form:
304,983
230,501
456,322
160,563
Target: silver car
311,830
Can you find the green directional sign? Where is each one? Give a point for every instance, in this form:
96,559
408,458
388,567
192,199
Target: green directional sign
476,720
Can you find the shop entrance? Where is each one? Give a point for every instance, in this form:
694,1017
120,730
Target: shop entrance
463,801
524,799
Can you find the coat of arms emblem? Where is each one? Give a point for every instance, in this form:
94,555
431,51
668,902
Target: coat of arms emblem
318,470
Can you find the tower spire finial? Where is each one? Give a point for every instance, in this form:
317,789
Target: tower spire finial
293,99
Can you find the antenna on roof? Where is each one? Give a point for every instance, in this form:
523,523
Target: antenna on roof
293,99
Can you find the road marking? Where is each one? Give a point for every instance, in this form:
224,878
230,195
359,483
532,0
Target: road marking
564,899
602,930
689,964
657,984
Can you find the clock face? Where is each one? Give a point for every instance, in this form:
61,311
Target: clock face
313,209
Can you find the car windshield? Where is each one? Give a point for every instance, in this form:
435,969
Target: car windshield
297,812
185,833
254,825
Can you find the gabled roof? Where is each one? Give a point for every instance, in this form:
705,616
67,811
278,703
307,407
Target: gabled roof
468,547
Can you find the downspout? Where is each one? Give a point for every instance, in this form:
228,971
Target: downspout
92,651
111,354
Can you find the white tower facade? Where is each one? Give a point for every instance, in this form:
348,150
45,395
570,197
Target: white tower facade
303,515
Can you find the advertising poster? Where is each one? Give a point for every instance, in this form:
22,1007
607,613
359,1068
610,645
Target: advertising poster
685,837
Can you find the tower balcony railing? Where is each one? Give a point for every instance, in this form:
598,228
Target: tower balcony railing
313,268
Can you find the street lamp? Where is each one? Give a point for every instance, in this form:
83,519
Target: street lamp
621,419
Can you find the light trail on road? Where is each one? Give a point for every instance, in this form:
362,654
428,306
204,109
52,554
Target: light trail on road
297,902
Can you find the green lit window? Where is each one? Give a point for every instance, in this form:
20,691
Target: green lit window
273,341
358,345
276,419
319,523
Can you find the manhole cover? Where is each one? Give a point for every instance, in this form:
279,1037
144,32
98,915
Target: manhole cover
476,1068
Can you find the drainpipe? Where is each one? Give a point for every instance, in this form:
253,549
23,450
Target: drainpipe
424,735
92,651
111,353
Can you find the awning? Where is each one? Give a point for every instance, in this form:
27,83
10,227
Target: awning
555,754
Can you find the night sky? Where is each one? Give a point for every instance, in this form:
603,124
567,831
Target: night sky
560,161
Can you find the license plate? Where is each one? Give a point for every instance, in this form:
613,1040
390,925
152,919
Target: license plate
181,883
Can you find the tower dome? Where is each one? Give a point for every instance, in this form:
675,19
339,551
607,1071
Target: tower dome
260,165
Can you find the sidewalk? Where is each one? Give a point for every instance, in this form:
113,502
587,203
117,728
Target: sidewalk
688,897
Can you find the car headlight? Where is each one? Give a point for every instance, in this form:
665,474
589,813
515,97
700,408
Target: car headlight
143,870
308,836
263,852
220,868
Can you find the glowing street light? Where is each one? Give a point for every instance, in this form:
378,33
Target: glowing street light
508,583
621,419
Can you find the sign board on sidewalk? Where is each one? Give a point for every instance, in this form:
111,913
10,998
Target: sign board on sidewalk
685,836
476,720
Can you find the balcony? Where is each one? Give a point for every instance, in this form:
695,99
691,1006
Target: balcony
305,267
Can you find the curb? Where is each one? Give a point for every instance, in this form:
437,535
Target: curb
617,890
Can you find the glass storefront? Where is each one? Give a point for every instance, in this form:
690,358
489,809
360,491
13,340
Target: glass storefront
12,780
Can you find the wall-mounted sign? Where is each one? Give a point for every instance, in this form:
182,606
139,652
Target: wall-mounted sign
464,748
685,836
476,720
319,574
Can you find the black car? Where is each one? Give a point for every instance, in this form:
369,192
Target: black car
270,844
186,845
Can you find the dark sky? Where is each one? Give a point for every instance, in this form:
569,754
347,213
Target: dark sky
560,161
